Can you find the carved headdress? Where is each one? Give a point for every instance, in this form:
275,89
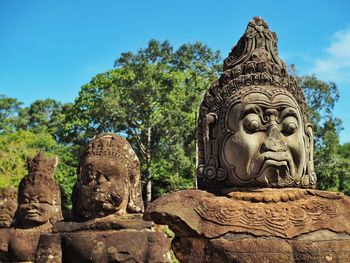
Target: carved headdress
253,65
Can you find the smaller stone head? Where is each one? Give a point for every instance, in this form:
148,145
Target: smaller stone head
8,206
108,179
39,196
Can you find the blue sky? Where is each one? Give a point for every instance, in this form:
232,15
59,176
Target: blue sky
49,49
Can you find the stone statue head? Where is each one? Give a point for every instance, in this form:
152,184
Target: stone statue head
8,206
253,129
39,195
108,179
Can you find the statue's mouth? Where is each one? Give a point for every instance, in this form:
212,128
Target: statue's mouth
273,169
107,201
4,218
32,213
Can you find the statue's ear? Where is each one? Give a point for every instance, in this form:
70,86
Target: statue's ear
55,161
135,203
309,179
209,133
309,136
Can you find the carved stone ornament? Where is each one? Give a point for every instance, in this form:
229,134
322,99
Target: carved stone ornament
253,128
262,225
285,213
108,179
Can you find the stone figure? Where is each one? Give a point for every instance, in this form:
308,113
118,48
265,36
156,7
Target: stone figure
253,128
107,206
255,170
8,206
39,207
108,179
39,195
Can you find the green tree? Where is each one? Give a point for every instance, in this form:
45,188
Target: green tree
15,147
26,130
344,173
151,98
344,151
332,170
44,115
9,114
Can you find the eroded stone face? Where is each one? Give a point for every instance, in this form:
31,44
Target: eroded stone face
103,187
265,144
108,179
8,206
39,195
35,205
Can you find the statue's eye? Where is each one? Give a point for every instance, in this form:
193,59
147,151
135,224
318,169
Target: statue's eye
290,125
43,199
252,123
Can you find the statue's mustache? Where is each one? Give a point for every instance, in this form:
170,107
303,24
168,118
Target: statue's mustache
257,164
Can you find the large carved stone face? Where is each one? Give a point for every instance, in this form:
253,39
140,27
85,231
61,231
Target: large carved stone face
102,188
35,205
266,144
8,208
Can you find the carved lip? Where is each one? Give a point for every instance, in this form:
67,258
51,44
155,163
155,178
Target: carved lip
280,160
4,218
33,213
103,203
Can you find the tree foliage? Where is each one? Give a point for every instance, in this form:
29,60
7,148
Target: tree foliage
15,147
333,169
27,130
9,114
151,98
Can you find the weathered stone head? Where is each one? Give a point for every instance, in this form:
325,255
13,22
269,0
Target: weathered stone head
253,129
8,206
39,196
108,179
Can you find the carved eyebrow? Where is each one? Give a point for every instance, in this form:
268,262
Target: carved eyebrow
251,108
289,112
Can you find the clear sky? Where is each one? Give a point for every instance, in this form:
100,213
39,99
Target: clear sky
49,49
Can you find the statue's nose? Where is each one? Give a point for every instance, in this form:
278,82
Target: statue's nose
274,140
101,179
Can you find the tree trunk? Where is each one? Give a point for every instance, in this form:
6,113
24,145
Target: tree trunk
148,171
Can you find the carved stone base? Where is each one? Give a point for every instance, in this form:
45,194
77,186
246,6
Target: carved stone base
19,245
104,240
264,225
252,249
104,246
